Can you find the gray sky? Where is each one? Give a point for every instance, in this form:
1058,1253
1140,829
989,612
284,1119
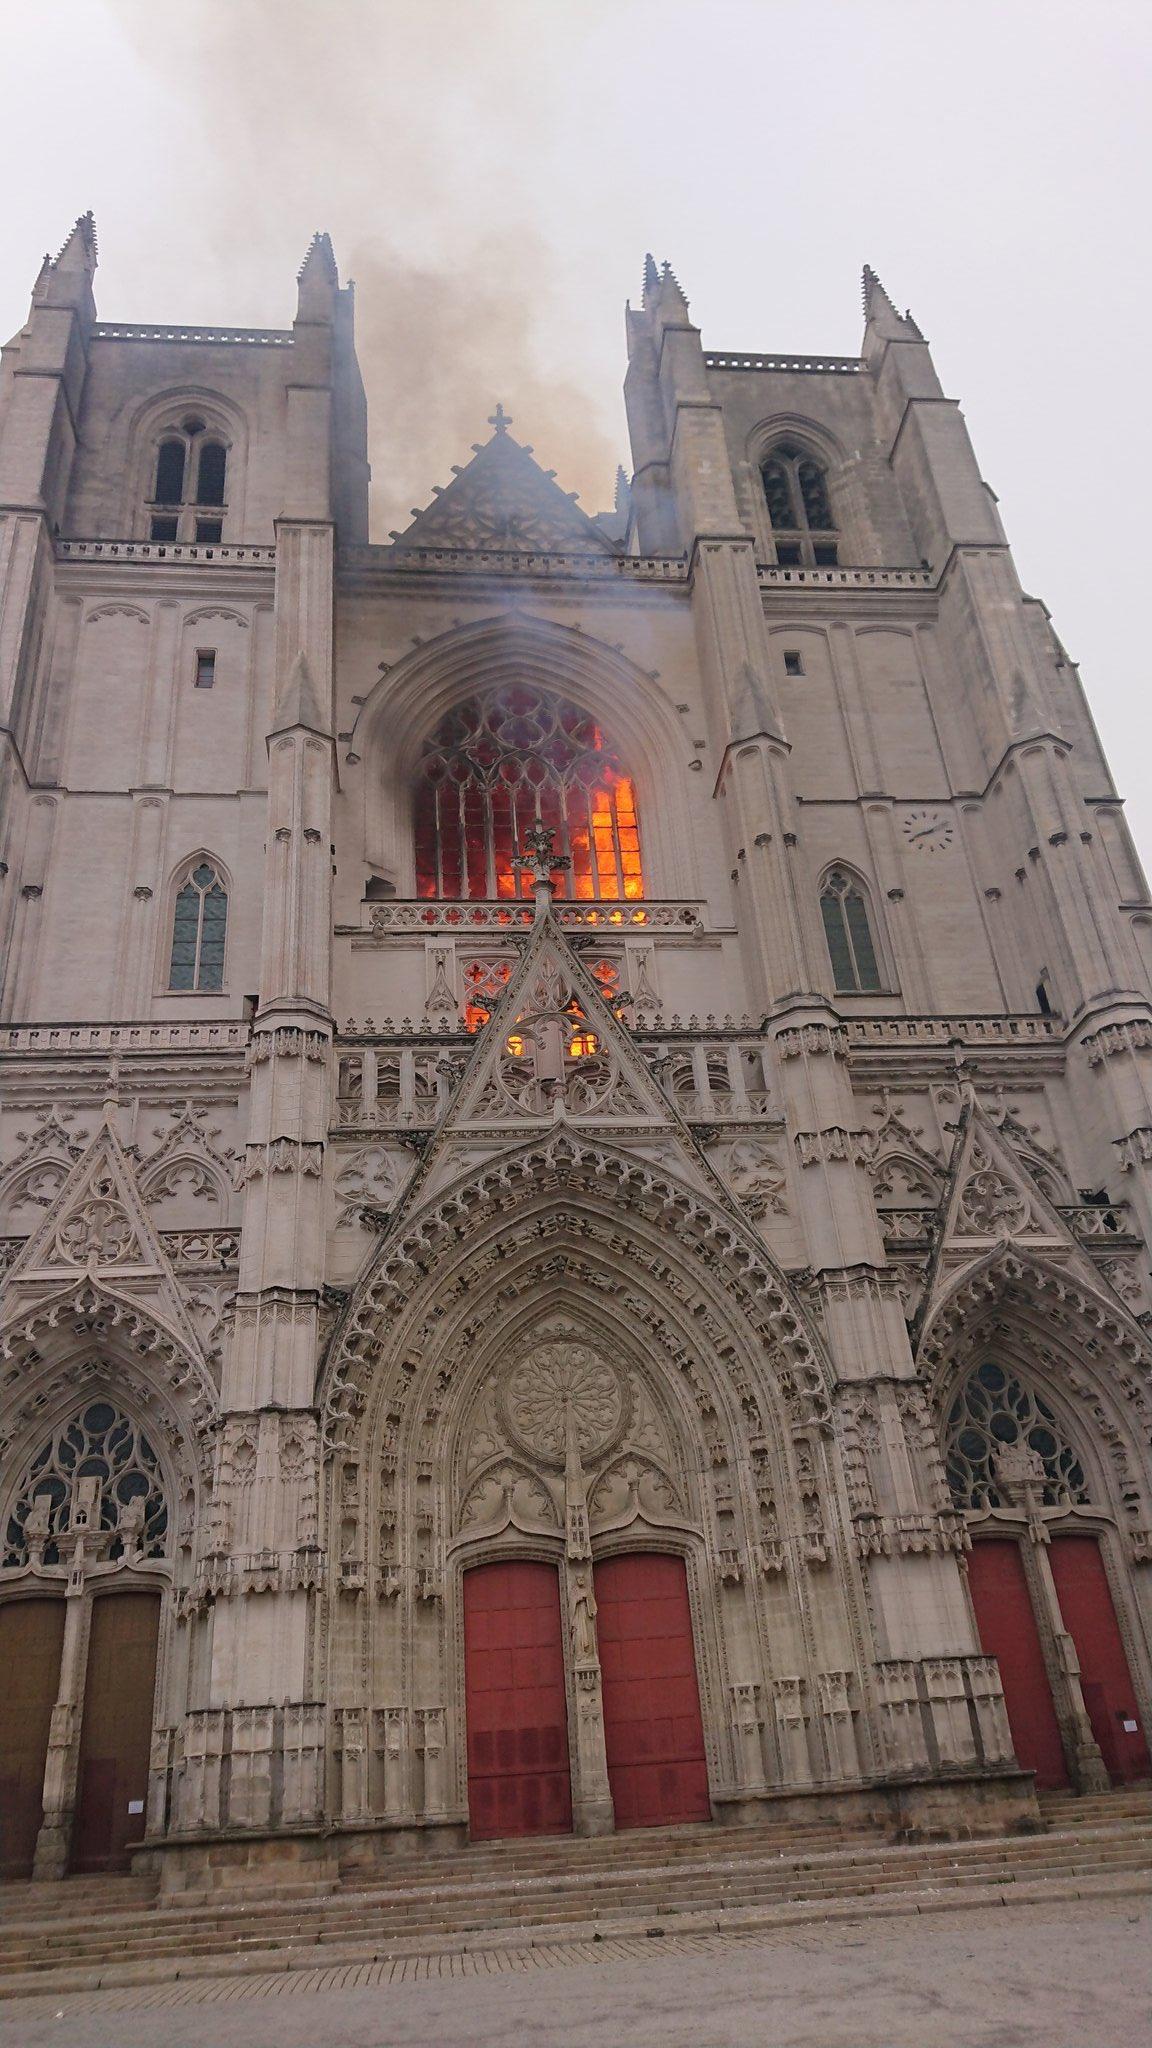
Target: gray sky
492,172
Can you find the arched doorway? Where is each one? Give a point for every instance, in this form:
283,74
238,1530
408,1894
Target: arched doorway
116,1730
31,1640
653,1731
1037,1575
519,1775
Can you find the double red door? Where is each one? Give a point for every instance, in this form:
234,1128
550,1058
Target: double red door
653,1732
519,1780
1008,1631
116,1731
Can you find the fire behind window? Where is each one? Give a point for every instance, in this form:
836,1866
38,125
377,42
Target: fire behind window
499,764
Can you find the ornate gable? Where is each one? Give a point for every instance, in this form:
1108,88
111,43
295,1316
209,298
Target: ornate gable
503,500
97,1227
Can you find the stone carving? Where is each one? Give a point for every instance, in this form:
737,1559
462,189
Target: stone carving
756,1178
98,1229
991,1207
555,1380
368,1181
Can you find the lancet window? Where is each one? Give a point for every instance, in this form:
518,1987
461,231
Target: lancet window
188,500
994,1413
502,763
799,507
851,946
199,931
103,1445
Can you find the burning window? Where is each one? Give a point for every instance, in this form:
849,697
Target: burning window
500,764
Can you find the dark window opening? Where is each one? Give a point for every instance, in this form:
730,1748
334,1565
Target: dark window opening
205,667
1043,1001
799,508
199,927
163,529
210,475
209,529
793,663
170,473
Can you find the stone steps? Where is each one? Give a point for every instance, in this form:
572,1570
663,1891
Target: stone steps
708,1877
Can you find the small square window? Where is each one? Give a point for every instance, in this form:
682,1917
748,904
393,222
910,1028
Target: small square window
793,664
163,529
825,554
205,667
788,552
209,529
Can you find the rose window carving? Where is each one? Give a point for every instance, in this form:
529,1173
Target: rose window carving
558,1380
991,1206
97,1228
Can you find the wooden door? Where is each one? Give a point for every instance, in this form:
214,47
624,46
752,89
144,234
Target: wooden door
1008,1632
31,1638
1090,1618
653,1732
519,1776
116,1730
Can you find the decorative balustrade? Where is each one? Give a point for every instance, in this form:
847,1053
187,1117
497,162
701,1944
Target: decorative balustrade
908,1226
167,552
52,1039
206,1250
594,568
516,914
805,366
1026,1029
774,575
249,337
1098,1222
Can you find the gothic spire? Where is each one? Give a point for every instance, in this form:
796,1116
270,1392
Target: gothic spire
880,313
318,279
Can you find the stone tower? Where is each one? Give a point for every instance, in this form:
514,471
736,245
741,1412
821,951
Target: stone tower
576,1134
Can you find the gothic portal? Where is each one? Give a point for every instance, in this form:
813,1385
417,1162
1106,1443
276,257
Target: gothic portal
576,1147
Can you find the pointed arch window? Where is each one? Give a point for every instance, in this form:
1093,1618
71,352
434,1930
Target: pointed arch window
848,930
99,1444
189,483
504,762
995,1413
799,507
199,931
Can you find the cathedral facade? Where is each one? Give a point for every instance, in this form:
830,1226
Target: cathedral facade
576,1129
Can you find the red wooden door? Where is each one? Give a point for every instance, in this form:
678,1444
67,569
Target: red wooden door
652,1727
116,1730
1090,1619
31,1638
519,1778
1008,1632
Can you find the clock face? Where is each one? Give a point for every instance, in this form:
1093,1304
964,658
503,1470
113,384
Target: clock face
931,831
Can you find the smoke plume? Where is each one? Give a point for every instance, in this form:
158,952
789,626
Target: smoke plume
376,120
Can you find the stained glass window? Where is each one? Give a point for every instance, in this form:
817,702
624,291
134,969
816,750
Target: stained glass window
199,931
100,1443
993,1412
498,765
851,949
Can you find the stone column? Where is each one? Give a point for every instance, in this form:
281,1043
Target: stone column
592,1810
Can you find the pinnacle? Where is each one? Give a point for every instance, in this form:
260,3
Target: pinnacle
319,253
880,310
79,242
297,701
651,276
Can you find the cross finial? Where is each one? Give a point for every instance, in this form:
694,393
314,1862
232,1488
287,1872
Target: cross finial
539,861
500,419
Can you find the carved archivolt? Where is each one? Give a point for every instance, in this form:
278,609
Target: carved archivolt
664,1231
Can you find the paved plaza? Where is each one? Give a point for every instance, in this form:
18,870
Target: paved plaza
1076,1976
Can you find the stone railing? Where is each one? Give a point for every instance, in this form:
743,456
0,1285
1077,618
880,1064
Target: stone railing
205,1250
908,1226
426,915
52,1039
388,1082
250,337
1097,1222
775,575
1027,1029
597,568
805,366
166,551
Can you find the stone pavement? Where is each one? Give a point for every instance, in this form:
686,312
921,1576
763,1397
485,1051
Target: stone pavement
1070,1976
